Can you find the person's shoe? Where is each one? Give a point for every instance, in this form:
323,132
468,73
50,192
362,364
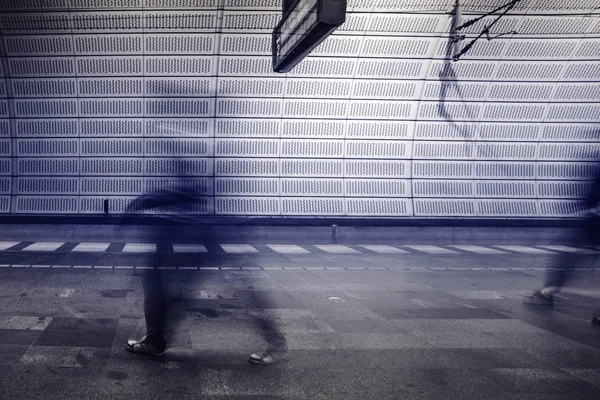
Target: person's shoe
596,320
143,347
260,359
539,299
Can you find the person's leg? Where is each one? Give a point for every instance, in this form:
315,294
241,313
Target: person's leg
270,331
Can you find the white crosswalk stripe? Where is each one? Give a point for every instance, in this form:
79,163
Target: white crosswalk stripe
336,249
477,249
238,248
383,249
92,247
524,249
189,248
139,248
569,249
44,246
6,245
431,249
287,249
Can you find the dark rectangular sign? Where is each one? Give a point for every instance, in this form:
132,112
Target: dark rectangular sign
306,24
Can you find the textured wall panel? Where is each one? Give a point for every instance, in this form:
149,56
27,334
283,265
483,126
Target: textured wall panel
315,207
251,87
447,150
178,107
179,66
111,108
377,149
312,187
509,131
196,87
376,169
252,128
47,66
110,127
45,128
157,127
85,45
569,132
505,189
179,44
377,188
572,190
42,108
5,185
247,206
178,147
245,66
314,129
316,168
109,66
5,166
111,147
43,147
44,166
47,45
247,186
44,87
445,131
378,207
246,44
454,90
47,186
312,109
323,68
312,148
567,151
317,88
505,169
178,167
246,148
200,186
442,189
442,169
448,208
47,204
238,108
112,166
503,208
111,185
557,208
242,167
389,68
110,87
379,130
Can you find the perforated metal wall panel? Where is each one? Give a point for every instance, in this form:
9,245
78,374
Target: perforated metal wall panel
109,99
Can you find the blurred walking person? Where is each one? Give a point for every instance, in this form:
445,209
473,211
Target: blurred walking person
588,234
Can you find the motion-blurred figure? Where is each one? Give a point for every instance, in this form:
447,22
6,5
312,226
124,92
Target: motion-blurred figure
182,198
589,234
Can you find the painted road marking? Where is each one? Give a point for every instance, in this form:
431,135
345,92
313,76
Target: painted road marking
478,249
431,249
94,247
383,249
139,248
287,249
569,249
525,249
44,246
336,249
189,248
7,245
238,248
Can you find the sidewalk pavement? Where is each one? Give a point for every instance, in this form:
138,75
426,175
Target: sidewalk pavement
362,325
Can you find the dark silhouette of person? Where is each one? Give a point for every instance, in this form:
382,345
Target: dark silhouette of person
588,234
182,198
